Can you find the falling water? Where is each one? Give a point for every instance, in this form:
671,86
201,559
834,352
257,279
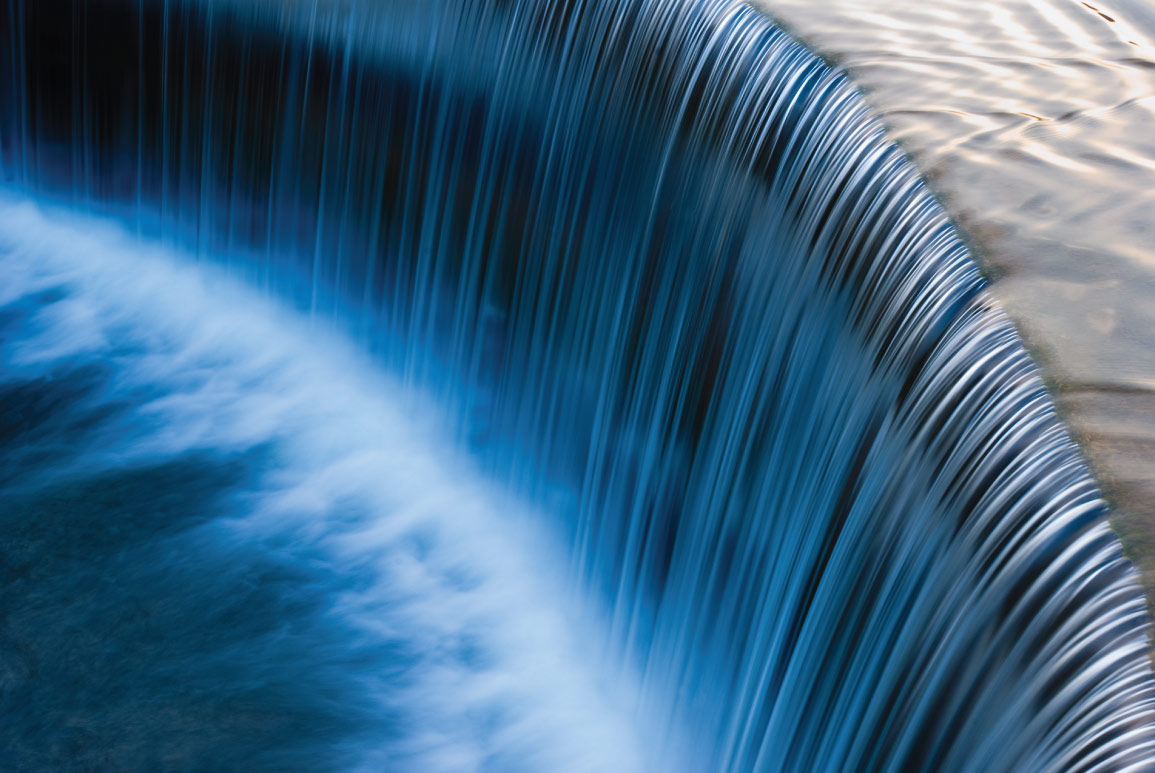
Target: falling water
229,545
668,287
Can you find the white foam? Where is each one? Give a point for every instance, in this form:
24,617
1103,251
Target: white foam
505,677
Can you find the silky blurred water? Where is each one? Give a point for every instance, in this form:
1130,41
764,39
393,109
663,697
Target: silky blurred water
1032,119
229,543
730,462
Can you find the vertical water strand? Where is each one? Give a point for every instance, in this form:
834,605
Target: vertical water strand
164,160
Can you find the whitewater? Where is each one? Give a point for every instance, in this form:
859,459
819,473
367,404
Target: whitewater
233,542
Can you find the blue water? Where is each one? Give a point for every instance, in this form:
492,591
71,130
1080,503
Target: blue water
230,544
518,386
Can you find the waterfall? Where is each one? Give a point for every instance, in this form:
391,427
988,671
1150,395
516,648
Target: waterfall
229,544
668,285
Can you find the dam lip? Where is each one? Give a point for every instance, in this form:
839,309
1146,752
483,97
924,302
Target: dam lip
1132,498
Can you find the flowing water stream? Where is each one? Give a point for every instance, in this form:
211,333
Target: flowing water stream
517,386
